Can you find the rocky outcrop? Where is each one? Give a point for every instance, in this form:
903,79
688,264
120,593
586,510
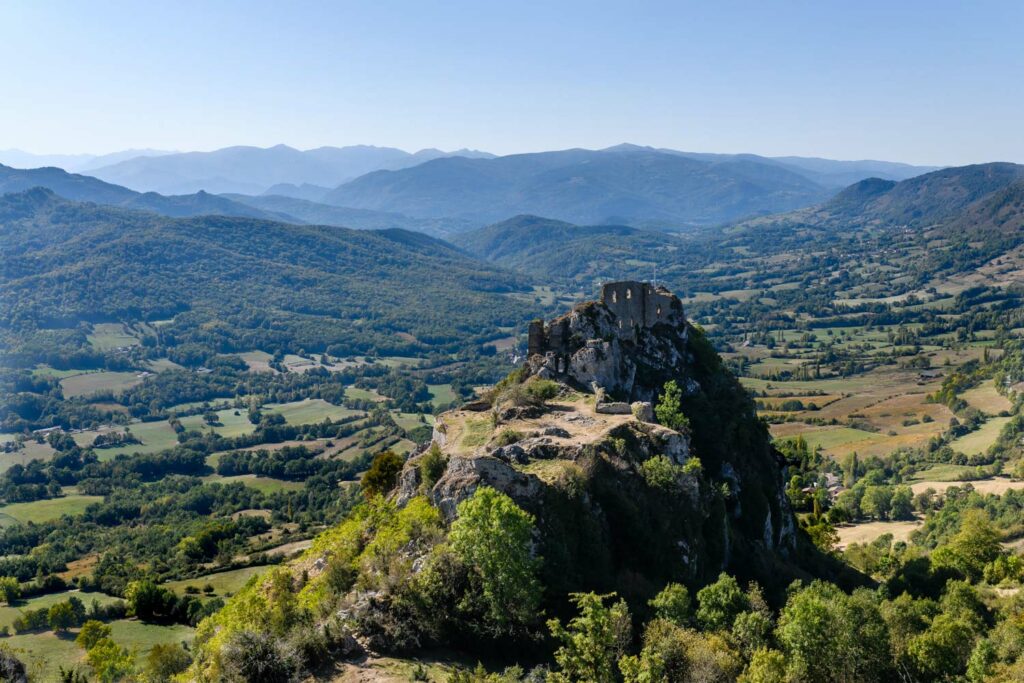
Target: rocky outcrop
582,467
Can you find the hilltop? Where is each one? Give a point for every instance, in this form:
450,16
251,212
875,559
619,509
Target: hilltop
620,502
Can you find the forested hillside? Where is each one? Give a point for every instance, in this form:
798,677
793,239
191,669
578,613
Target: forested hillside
238,284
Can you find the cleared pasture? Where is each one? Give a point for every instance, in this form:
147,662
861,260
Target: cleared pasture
441,394
45,510
261,484
109,336
979,440
223,582
987,399
310,411
89,383
869,531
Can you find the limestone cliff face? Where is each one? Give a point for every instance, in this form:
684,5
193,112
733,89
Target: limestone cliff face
584,472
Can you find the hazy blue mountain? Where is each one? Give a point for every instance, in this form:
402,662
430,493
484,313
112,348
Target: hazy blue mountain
619,185
17,158
924,200
304,211
827,172
85,188
252,170
307,191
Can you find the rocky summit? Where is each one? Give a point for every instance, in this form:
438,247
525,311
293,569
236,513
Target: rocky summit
621,501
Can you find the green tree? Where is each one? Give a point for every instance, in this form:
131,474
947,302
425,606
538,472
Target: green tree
92,632
944,648
673,653
494,537
593,641
166,660
110,662
61,616
669,410
673,604
876,501
766,666
902,504
10,589
822,624
382,475
972,547
147,600
719,603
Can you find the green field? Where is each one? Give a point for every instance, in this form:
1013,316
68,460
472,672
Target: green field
262,484
979,440
155,437
45,510
222,582
411,420
310,411
231,425
441,394
9,613
945,472
30,451
86,384
837,436
363,394
44,653
109,336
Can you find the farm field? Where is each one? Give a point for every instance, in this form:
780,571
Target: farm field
44,653
109,336
155,436
45,510
411,420
987,399
89,383
31,450
310,411
869,531
996,485
980,439
262,484
363,394
8,613
441,394
232,422
223,582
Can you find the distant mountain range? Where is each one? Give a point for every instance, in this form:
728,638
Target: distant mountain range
76,163
981,204
443,193
88,189
623,184
254,170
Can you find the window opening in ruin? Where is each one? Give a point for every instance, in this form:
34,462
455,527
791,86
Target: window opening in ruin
615,297
629,293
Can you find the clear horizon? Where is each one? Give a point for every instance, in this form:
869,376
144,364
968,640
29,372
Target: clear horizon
918,83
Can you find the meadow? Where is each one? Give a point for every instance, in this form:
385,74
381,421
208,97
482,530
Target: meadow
46,509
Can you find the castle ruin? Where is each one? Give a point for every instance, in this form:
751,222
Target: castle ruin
635,306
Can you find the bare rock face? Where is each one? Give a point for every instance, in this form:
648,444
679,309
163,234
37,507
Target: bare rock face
465,474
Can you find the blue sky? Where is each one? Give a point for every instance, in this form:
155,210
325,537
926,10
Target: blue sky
923,82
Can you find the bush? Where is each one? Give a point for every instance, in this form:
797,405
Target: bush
669,410
508,437
165,660
252,656
432,466
659,472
